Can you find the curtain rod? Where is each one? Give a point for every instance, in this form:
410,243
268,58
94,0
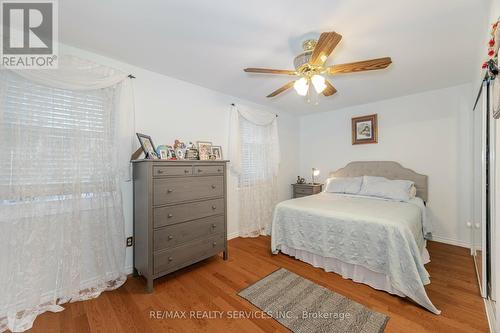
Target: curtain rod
232,104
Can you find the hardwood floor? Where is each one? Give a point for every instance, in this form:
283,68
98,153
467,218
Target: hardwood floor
213,285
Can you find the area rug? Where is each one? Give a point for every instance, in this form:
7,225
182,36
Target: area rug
303,306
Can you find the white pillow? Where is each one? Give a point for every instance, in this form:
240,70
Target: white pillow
350,185
413,192
386,188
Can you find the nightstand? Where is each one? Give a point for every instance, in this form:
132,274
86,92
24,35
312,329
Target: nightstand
303,190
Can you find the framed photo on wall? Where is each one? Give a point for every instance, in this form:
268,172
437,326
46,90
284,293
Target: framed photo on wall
364,129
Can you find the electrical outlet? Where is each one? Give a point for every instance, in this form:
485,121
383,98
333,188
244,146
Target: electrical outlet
130,241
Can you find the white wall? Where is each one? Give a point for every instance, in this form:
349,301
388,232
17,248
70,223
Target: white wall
169,109
430,132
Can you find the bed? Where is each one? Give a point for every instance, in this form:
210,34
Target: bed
370,240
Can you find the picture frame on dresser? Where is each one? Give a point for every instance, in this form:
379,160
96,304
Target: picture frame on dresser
180,214
217,152
204,150
162,152
147,146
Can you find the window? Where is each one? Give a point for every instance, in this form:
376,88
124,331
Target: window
255,148
50,137
255,161
61,212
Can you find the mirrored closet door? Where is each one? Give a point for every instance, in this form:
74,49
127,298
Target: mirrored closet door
480,194
485,180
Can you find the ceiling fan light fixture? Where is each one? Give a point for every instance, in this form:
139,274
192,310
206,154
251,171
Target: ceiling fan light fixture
311,68
301,86
318,82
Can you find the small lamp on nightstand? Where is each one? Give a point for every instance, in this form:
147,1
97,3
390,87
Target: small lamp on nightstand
315,172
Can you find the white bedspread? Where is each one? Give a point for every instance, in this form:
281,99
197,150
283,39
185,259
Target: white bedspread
381,235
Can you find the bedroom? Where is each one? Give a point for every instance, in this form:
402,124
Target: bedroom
103,230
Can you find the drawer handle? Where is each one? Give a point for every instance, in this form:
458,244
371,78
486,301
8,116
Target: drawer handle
170,190
219,170
170,258
214,225
186,170
160,171
214,243
214,207
199,170
213,186
170,216
170,237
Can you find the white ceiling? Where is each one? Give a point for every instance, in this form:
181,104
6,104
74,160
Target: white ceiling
432,43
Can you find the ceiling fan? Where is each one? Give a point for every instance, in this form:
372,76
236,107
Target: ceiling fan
309,67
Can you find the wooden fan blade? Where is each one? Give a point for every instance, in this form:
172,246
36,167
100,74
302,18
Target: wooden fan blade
329,90
360,66
270,71
283,88
326,43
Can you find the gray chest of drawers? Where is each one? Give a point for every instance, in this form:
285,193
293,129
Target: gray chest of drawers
179,215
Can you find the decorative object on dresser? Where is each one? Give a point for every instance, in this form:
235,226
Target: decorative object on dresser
217,152
147,146
204,150
301,180
303,190
180,149
179,214
191,152
364,129
171,153
162,151
163,154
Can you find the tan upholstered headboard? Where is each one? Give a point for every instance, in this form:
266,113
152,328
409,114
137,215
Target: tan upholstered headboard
387,169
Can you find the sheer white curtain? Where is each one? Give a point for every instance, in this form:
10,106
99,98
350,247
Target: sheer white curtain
254,155
63,140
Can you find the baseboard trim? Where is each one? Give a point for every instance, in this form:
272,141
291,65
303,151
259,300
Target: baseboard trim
233,235
451,241
490,314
